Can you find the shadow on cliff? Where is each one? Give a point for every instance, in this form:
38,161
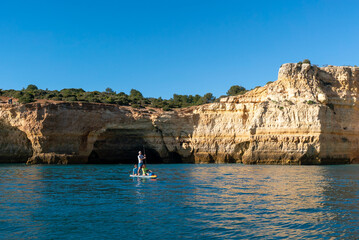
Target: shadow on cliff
337,143
15,146
121,146
115,146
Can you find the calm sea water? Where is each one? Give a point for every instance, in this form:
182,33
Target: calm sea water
185,202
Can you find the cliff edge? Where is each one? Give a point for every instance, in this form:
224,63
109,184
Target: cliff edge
307,116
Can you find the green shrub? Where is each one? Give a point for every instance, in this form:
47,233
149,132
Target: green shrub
135,98
135,105
31,87
306,61
110,100
50,96
166,108
71,92
310,102
208,98
26,98
236,90
122,100
57,98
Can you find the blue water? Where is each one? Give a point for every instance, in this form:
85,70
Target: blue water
185,202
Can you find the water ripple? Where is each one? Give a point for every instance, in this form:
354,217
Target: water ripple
185,202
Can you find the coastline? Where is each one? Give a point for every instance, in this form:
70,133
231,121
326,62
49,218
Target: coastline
308,116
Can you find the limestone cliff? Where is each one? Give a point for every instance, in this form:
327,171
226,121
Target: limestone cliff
308,116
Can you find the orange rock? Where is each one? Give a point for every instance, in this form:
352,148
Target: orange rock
308,116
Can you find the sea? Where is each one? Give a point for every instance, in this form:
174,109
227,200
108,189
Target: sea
186,201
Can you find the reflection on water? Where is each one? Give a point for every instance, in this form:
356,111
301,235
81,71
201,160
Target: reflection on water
283,200
186,201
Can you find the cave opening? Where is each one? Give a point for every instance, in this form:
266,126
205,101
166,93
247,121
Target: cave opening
116,146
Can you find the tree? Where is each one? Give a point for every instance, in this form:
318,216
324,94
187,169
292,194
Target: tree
208,98
31,87
177,100
197,100
236,90
135,96
122,99
110,91
185,100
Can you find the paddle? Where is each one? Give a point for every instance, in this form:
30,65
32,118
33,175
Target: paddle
144,153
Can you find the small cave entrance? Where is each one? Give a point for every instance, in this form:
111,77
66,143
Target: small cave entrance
121,146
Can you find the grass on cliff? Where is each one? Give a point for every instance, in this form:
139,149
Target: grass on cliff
134,99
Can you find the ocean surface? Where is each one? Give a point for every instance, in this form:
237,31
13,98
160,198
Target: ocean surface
187,201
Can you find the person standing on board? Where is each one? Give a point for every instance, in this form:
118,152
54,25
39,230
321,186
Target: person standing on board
140,161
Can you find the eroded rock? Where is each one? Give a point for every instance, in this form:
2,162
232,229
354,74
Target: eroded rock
308,116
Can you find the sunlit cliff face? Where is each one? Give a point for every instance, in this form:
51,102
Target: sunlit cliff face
308,116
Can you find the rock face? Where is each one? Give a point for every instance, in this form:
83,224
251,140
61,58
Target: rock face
15,147
308,116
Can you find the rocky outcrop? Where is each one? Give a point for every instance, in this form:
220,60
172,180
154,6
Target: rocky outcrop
307,116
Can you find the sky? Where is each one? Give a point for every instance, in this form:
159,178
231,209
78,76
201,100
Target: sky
166,47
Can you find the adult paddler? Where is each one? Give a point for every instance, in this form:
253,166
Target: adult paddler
140,161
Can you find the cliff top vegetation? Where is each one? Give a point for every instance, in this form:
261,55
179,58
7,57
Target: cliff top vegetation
134,99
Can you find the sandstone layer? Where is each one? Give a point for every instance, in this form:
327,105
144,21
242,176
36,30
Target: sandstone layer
308,116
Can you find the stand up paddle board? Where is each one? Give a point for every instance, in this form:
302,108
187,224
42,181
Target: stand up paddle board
143,176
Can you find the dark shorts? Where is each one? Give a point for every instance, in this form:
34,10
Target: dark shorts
140,165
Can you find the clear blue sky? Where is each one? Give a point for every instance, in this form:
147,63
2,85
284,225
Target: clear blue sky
166,47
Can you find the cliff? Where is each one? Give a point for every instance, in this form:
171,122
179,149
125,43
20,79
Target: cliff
307,116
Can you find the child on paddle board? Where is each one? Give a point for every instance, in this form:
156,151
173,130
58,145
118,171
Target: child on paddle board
135,170
146,171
